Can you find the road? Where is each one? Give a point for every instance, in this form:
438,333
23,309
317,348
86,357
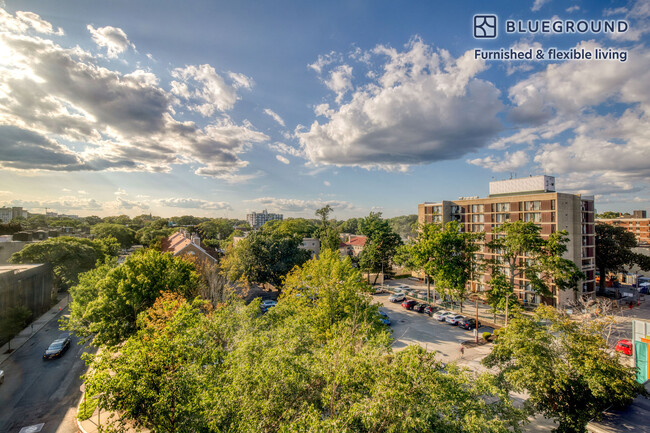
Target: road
37,391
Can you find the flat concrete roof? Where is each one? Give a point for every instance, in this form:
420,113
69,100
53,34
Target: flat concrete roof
19,267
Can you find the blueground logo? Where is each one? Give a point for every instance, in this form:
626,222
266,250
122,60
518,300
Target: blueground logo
485,26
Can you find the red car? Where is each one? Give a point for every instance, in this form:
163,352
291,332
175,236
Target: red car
409,304
624,346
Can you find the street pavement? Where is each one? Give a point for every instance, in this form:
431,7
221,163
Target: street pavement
37,391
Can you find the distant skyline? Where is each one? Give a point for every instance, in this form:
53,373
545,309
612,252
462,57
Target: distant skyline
217,109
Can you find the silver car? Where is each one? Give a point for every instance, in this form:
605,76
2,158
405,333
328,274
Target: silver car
396,297
2,377
453,319
441,315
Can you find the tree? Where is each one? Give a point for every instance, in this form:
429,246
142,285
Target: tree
264,258
405,225
445,254
154,232
123,220
608,215
107,300
10,228
543,263
564,365
381,245
216,228
164,369
350,226
125,236
298,227
14,320
68,256
614,251
327,232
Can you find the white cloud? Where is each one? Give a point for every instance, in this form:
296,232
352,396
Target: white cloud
325,60
426,106
282,159
340,81
637,16
537,5
210,91
327,183
51,95
286,149
24,21
573,8
193,203
61,204
112,38
297,205
509,162
275,116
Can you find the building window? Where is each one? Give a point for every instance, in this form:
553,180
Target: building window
532,205
503,207
534,217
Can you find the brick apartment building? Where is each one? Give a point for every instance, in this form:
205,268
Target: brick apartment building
527,199
638,224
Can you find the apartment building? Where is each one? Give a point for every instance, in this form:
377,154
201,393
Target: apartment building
258,219
529,199
9,213
638,224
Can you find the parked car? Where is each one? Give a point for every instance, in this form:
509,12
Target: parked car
384,318
2,377
58,347
441,315
429,309
624,346
419,307
453,319
379,290
468,323
396,297
409,304
268,303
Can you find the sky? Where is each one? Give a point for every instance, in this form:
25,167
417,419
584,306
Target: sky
219,108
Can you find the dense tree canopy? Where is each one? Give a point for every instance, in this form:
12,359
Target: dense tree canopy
405,225
381,245
614,251
565,366
68,256
124,235
298,227
316,362
263,257
107,300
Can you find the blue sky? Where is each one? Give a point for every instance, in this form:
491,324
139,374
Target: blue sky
219,108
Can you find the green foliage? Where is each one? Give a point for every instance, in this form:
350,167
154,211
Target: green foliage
316,362
486,336
381,245
327,232
10,228
123,220
614,251
544,262
501,295
445,254
157,379
216,229
405,225
188,220
92,220
68,256
263,258
350,226
125,236
608,215
107,300
14,320
564,365
298,227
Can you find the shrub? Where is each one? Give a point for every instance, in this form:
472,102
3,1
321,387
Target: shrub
486,336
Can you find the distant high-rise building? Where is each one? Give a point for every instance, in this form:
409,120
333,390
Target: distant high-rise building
9,213
257,220
531,199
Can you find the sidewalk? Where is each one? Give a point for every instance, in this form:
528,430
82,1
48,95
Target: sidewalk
31,330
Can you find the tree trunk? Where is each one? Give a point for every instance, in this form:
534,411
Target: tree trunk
602,285
429,290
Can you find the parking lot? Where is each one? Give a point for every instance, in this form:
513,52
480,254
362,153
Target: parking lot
410,327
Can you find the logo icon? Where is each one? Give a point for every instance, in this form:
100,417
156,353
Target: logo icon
485,26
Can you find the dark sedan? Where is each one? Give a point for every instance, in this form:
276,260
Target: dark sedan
468,323
57,348
420,308
409,304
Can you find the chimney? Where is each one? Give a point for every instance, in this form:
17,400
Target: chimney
196,240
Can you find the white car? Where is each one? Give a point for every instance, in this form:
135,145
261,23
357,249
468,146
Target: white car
268,303
396,297
2,376
453,319
441,315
